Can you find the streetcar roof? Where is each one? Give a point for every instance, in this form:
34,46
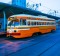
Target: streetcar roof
26,15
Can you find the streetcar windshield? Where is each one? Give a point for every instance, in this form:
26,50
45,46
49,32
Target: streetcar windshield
13,23
16,22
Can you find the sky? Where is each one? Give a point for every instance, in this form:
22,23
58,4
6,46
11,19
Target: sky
53,4
5,1
45,4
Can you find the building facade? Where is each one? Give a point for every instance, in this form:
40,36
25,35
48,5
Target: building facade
21,3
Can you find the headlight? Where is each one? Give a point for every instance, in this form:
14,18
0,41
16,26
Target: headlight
10,31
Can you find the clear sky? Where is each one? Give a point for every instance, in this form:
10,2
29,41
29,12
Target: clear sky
53,4
47,4
5,1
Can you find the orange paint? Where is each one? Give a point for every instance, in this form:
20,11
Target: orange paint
28,33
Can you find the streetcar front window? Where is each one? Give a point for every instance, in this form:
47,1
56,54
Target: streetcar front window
13,23
16,22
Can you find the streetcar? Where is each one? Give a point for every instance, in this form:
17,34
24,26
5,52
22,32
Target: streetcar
23,25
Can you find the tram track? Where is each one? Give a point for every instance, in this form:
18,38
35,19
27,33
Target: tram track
48,49
31,44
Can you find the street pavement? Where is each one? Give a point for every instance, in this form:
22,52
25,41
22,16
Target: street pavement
41,45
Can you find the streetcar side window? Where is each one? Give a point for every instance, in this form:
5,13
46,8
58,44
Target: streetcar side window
32,23
22,22
37,23
42,23
28,22
47,23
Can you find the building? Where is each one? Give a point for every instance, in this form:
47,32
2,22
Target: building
21,3
2,28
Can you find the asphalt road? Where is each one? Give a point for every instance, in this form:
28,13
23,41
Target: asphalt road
41,45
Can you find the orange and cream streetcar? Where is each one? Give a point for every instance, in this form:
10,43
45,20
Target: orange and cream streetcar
23,25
